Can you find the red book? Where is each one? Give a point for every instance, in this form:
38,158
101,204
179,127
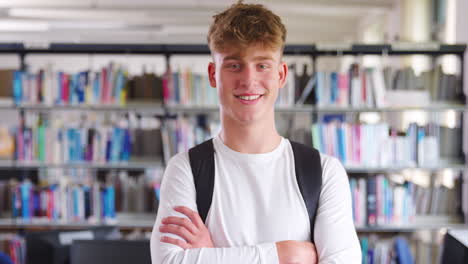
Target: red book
50,204
65,88
105,86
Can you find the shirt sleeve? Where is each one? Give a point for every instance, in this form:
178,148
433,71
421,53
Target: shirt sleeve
178,189
335,236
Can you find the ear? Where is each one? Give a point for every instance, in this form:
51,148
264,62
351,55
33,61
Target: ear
283,74
211,74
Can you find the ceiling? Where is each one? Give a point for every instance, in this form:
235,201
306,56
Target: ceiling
175,21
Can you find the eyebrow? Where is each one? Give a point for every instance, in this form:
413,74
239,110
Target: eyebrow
258,58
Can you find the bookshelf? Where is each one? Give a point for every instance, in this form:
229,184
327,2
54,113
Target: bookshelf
314,51
158,109
144,164
130,165
146,222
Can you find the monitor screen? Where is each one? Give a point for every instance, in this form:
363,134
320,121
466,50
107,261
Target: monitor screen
455,250
54,246
110,251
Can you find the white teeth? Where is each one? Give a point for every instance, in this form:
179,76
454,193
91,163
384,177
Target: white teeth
250,98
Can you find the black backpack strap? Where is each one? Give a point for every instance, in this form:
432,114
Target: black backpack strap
203,169
308,168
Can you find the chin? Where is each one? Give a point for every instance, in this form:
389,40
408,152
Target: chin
248,118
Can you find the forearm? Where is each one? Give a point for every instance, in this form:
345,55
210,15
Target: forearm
168,254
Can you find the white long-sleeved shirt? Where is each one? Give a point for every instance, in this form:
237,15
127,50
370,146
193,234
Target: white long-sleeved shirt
257,202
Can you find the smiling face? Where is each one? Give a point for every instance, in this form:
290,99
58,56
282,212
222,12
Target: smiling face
248,81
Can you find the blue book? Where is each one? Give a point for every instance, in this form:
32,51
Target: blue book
25,189
364,248
71,147
110,194
127,145
341,143
334,87
97,88
371,201
370,256
75,202
78,145
87,201
116,144
81,86
55,210
108,148
17,87
58,100
403,252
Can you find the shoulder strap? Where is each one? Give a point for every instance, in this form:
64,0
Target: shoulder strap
308,168
203,169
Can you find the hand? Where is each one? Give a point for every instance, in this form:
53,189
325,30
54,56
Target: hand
296,252
192,230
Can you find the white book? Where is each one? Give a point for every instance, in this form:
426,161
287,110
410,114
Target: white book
399,193
369,88
356,92
362,202
380,199
379,88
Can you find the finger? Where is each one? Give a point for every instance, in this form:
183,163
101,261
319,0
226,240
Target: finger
180,221
194,216
177,230
176,242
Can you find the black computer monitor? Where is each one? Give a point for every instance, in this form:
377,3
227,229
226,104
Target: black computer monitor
54,246
455,250
110,251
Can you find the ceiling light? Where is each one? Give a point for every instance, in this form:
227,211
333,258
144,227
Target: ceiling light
14,26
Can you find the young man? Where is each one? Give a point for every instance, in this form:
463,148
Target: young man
257,214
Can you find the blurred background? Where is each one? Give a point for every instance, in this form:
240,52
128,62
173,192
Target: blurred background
97,95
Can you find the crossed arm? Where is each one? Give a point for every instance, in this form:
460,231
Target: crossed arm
196,235
180,237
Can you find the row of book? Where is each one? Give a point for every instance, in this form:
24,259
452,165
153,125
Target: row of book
439,85
357,87
380,201
184,87
50,87
110,86
63,196
57,141
60,202
136,193
420,247
383,251
377,87
181,134
374,145
377,202
14,247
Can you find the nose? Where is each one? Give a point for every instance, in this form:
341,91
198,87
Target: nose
248,76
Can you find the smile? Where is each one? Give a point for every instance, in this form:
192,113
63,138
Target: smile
249,97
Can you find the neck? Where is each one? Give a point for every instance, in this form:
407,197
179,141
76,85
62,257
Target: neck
252,138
